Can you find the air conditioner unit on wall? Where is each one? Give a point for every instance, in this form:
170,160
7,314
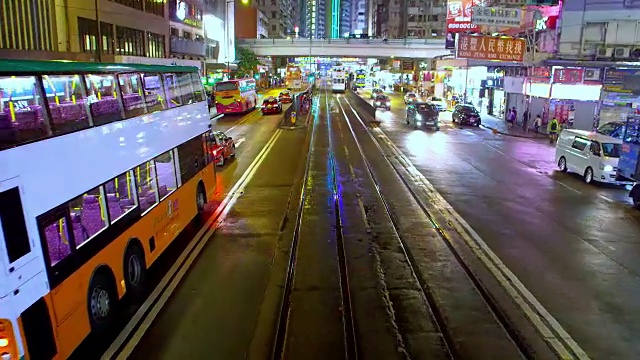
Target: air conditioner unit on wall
591,74
621,53
604,52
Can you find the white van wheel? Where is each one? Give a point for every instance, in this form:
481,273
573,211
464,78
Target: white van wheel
588,175
562,164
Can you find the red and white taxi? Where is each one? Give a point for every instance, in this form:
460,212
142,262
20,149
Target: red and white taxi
271,105
222,147
285,97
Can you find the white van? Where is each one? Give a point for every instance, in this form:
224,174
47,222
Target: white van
592,155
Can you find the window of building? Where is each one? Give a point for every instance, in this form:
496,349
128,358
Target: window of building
88,215
146,180
154,7
175,32
129,41
22,118
121,195
156,47
131,89
166,174
153,92
67,101
136,4
103,99
186,35
273,15
88,34
274,27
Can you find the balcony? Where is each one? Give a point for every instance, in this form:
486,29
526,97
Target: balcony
184,46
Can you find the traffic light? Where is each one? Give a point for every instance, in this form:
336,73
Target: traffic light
311,78
245,2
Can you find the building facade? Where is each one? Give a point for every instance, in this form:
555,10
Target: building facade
408,18
280,16
251,23
359,16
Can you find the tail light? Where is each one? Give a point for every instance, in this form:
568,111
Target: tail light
8,345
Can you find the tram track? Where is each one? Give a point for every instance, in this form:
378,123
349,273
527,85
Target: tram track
427,290
348,322
557,340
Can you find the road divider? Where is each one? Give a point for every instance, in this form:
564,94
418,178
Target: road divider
549,329
130,336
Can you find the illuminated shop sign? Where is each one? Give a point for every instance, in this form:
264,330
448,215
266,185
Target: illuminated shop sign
187,13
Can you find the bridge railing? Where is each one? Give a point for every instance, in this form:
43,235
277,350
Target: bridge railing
338,42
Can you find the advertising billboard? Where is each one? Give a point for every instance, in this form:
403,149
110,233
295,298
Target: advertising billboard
490,48
496,17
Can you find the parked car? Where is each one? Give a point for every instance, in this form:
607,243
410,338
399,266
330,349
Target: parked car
466,114
285,97
423,114
410,97
594,156
382,101
375,92
440,103
222,147
613,128
271,105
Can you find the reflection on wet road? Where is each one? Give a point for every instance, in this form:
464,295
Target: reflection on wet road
575,246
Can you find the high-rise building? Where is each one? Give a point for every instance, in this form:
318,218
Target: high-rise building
409,18
280,16
251,23
345,16
359,12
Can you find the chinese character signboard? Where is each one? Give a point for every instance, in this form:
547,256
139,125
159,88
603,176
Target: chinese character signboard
407,65
622,80
496,16
568,75
459,19
490,48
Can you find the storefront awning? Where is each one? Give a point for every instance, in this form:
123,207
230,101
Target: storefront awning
221,66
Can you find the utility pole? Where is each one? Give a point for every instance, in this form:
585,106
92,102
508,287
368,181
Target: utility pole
99,32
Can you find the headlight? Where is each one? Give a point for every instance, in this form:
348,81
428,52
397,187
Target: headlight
419,117
377,102
608,168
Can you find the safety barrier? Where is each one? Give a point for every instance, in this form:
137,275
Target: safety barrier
362,105
296,115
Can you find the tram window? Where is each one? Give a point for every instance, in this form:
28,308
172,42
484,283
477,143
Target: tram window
186,88
154,92
103,99
88,215
198,89
14,228
132,95
56,233
121,195
172,90
147,190
22,117
67,100
166,174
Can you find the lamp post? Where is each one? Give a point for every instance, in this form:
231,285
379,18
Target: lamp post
227,21
99,34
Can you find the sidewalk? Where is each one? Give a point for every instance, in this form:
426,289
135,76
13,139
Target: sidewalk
500,126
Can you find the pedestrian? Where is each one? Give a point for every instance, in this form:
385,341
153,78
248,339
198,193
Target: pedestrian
552,129
525,120
537,123
511,117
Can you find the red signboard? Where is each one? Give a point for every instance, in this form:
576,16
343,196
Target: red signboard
490,48
459,15
568,75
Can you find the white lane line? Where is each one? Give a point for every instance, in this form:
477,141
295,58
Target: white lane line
239,142
346,152
352,173
363,213
550,329
606,198
162,292
569,187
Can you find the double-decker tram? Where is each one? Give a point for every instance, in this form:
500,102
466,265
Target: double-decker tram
101,167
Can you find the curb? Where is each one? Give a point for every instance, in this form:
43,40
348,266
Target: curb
495,130
216,117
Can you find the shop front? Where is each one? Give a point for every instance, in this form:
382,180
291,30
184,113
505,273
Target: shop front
575,103
538,96
618,95
513,96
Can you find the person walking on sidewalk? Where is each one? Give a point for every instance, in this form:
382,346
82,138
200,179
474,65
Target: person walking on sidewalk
537,123
553,130
526,116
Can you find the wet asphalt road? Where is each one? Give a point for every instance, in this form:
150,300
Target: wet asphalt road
574,246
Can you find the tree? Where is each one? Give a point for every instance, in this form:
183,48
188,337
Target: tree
247,61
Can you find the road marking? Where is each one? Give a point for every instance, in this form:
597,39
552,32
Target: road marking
363,213
551,331
239,141
352,172
606,198
346,151
152,306
569,187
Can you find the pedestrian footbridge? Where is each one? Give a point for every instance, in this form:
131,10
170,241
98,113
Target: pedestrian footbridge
374,48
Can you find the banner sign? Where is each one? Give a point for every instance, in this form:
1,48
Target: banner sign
459,15
621,80
496,16
568,75
490,48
